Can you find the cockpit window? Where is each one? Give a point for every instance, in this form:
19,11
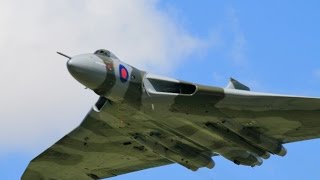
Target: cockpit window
107,53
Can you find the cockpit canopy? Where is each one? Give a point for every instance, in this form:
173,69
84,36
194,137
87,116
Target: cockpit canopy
106,53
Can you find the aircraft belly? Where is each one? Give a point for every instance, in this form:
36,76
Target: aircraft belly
187,116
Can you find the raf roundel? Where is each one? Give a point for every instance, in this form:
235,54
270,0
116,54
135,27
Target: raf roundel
124,75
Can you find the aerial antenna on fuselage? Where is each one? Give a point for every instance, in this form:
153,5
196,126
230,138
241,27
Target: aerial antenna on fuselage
64,55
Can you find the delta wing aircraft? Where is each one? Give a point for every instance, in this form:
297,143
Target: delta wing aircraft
142,120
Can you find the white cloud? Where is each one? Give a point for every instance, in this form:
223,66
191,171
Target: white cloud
40,101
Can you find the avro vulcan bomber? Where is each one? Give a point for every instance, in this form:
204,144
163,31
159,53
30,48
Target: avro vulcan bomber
142,120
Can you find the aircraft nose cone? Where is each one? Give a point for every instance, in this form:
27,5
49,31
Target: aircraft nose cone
89,70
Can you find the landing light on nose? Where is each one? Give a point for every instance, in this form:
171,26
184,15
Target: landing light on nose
89,70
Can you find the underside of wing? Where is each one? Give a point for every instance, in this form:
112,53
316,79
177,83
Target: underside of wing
93,150
284,118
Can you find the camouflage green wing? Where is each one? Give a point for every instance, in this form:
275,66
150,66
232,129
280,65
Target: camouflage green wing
93,150
285,118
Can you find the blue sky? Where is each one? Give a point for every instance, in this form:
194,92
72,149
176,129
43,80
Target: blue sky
271,46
